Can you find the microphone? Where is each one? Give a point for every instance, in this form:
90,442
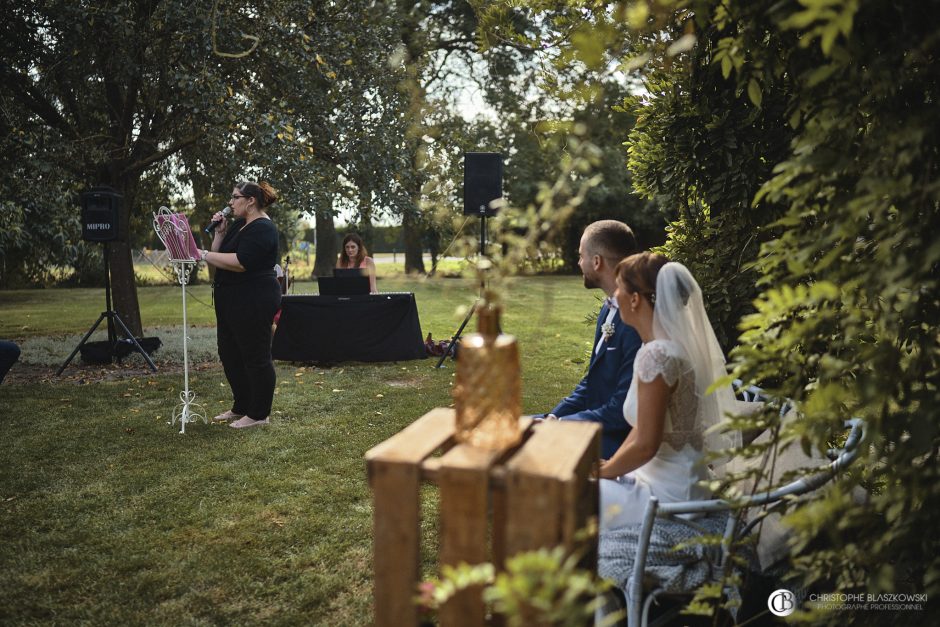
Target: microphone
211,228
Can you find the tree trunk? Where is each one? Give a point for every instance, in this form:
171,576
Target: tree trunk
434,244
366,230
327,250
411,231
123,281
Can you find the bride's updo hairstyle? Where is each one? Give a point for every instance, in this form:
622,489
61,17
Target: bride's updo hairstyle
638,273
262,192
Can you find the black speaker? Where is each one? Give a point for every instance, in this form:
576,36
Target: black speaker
101,208
482,182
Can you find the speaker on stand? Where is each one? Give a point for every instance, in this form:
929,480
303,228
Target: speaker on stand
482,185
101,210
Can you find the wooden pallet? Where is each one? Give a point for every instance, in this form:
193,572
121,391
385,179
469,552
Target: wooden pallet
492,505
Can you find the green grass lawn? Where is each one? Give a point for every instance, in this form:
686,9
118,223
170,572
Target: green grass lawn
109,516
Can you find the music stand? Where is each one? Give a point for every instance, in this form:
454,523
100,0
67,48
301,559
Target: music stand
173,230
112,317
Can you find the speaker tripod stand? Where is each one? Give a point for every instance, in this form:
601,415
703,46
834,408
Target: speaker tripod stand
113,318
456,337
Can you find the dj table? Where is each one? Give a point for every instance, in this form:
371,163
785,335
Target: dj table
330,329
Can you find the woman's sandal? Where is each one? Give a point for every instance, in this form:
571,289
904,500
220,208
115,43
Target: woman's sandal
245,422
227,416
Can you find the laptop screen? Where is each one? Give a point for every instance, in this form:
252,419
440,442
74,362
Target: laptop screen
343,285
347,272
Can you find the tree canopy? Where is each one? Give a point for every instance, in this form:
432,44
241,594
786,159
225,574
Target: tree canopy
169,98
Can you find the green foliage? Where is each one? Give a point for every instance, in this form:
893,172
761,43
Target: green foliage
543,587
846,323
568,94
798,144
703,147
837,147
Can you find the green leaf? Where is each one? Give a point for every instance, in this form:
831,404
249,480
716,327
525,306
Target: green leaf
794,119
754,92
726,66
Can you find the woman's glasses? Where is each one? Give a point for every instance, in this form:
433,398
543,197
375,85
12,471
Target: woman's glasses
236,197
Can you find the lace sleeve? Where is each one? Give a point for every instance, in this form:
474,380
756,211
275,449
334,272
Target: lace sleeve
656,359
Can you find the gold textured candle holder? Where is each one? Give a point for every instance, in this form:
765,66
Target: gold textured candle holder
488,390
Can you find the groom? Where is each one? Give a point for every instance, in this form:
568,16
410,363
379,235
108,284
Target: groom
600,394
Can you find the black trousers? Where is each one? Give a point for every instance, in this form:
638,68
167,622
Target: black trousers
9,353
244,314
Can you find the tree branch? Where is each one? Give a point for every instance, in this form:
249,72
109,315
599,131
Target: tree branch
21,88
230,55
143,164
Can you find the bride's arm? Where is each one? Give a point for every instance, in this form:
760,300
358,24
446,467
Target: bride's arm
645,438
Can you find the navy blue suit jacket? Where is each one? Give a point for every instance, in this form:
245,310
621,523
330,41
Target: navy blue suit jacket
600,395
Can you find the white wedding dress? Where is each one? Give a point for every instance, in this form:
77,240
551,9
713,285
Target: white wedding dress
677,468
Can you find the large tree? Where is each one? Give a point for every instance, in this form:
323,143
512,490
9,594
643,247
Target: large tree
193,93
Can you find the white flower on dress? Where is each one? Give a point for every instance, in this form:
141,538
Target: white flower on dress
607,331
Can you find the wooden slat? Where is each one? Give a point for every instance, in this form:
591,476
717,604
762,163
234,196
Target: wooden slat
555,448
585,497
463,478
394,475
500,508
396,534
418,440
545,482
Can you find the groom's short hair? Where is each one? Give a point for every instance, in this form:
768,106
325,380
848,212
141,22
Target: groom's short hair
611,239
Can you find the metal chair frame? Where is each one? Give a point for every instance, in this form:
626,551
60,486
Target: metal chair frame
638,607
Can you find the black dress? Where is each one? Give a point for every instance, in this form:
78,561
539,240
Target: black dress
245,304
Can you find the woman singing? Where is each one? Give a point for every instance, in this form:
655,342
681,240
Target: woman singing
247,295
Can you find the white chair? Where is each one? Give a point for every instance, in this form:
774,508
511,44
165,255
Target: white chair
640,597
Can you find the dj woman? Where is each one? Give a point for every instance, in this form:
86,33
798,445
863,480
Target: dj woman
355,255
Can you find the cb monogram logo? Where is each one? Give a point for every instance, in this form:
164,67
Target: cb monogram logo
781,602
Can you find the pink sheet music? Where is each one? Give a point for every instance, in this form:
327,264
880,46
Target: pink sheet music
178,237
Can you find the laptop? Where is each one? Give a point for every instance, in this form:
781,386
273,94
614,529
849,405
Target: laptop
348,272
343,285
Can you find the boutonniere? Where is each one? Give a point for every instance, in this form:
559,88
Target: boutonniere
607,330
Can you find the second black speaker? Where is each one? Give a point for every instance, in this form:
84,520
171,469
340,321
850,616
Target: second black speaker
482,182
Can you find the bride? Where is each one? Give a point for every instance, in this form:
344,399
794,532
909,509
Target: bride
667,404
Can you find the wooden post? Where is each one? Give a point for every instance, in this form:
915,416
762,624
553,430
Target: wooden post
464,485
394,475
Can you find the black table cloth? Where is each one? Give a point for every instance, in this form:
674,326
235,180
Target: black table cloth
330,329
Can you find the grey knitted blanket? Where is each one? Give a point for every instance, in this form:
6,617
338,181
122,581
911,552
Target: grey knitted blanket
682,570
